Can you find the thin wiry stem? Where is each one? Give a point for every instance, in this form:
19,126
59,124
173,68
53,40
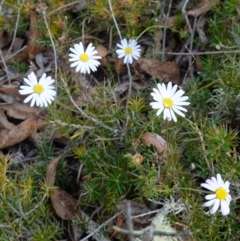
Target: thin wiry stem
60,123
114,19
52,42
128,68
100,226
62,7
129,222
5,66
37,205
165,29
16,27
202,53
209,165
185,16
1,4
14,54
98,122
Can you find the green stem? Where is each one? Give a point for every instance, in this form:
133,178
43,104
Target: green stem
154,26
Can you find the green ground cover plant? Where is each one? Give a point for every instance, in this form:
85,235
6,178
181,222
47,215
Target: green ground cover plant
133,144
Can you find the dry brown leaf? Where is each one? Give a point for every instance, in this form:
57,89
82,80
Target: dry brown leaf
154,139
18,110
32,48
158,35
119,223
165,71
4,123
168,21
102,51
20,132
5,39
9,95
202,8
200,29
51,170
65,206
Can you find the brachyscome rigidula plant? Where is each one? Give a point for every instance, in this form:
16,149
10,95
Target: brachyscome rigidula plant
41,92
220,196
169,100
85,61
129,50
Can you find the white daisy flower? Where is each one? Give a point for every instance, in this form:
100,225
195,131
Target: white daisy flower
86,61
129,50
169,100
42,93
221,195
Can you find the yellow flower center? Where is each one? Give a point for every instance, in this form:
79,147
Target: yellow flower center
38,89
221,193
84,57
168,103
128,50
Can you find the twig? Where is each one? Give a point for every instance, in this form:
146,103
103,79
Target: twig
60,123
210,166
98,122
62,7
190,58
100,226
5,66
129,222
147,213
114,19
135,232
37,205
16,27
128,68
185,16
128,97
202,53
155,232
52,42
165,29
14,54
1,4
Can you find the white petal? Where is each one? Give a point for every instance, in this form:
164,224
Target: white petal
79,47
226,185
32,77
209,187
34,98
160,111
225,208
178,112
215,206
214,182
219,180
178,94
26,91
169,88
172,92
180,99
173,115
209,203
29,98
167,115
210,196
156,105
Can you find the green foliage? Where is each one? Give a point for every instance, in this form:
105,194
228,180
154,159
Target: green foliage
24,209
117,165
224,14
